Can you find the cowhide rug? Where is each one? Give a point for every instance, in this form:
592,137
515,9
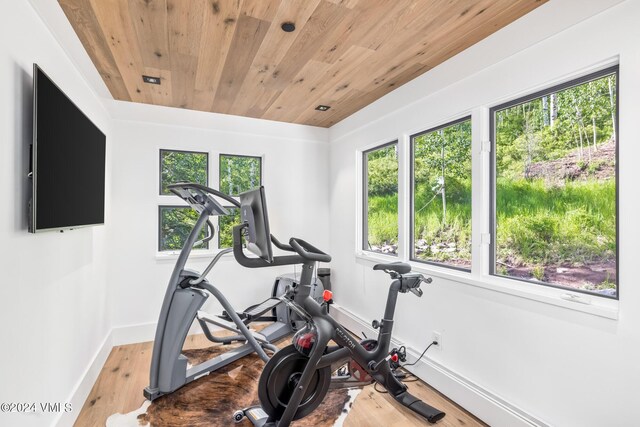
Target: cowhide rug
211,400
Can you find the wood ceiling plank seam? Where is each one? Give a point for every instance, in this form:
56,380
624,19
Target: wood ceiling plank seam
311,115
433,12
348,32
350,4
379,70
247,39
218,27
405,37
513,11
264,10
355,32
149,19
115,21
355,104
401,75
338,78
414,71
319,82
387,74
254,97
324,18
85,24
381,59
292,101
184,24
386,29
405,76
304,86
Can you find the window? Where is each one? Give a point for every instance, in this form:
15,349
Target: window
554,186
380,207
237,175
441,195
176,222
182,166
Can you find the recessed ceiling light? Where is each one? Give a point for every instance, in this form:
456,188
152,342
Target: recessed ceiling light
322,107
288,27
152,80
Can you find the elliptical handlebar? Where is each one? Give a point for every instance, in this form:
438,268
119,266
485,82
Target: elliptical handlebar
197,194
209,237
308,251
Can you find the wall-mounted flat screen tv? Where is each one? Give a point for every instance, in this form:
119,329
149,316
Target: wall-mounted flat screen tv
67,162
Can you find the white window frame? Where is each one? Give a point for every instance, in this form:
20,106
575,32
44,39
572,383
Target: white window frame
575,82
411,192
362,198
213,166
480,275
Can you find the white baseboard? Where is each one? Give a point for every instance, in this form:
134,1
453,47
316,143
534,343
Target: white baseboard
85,383
492,409
120,335
133,334
143,332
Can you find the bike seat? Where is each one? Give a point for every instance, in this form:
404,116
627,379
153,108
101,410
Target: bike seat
398,267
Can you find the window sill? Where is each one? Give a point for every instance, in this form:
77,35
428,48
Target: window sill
594,305
172,256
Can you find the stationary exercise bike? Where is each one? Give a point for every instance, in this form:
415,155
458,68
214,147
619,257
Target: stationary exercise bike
186,293
296,379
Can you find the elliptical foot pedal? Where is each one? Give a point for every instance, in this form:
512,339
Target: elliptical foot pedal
259,309
215,320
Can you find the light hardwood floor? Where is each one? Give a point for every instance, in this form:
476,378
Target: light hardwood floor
119,386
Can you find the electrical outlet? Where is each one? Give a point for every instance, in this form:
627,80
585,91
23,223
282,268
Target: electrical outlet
437,336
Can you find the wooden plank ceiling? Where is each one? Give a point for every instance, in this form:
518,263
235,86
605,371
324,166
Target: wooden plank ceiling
232,56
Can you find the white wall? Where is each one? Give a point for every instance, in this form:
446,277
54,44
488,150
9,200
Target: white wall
295,175
62,293
558,365
53,291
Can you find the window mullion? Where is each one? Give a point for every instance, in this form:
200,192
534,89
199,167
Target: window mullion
480,191
214,181
404,202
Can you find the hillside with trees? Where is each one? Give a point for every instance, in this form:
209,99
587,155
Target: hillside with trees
555,194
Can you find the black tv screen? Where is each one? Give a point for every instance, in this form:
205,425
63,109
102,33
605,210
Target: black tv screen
68,161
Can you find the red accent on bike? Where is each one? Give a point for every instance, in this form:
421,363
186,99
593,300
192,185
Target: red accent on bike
327,295
306,341
394,358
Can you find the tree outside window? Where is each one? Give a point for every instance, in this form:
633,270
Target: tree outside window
441,191
182,166
176,222
555,186
237,174
381,199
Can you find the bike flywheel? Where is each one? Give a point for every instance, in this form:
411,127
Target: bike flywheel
280,378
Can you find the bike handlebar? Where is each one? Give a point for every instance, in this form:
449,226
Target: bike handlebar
308,251
280,245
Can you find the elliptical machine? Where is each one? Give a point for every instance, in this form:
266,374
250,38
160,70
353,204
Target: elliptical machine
186,293
296,379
